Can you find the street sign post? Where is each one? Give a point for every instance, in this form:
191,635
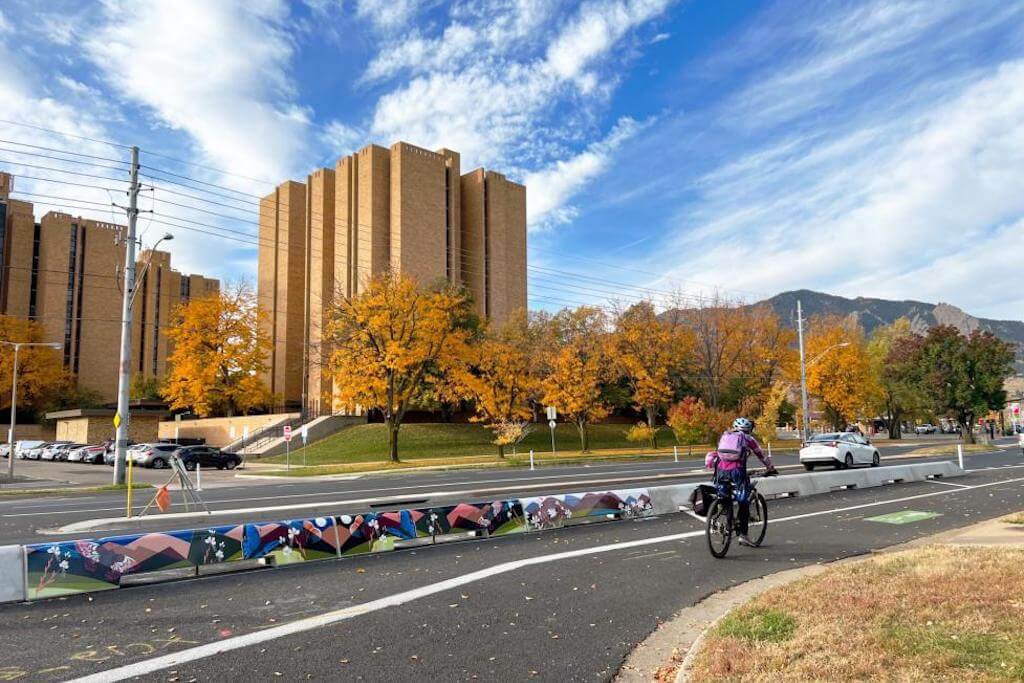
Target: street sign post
287,447
304,433
552,421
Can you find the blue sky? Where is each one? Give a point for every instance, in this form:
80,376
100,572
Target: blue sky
669,149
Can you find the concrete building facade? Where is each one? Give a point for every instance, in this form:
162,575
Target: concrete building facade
63,272
404,209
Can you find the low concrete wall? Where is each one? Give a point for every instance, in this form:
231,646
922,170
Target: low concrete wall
220,431
30,432
12,573
668,499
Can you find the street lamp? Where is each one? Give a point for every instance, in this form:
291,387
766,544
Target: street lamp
803,382
130,290
145,269
14,395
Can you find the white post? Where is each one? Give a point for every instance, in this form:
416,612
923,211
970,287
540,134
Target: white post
960,454
769,450
199,476
124,373
806,430
675,452
288,454
14,417
531,459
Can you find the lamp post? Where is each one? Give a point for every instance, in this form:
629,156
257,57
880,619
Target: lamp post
14,396
130,291
803,380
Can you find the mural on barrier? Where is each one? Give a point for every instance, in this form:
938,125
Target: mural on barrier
550,512
90,565
298,540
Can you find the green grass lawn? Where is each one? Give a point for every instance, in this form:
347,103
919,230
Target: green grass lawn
368,443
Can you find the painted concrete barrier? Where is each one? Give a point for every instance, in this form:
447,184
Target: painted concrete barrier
12,573
44,570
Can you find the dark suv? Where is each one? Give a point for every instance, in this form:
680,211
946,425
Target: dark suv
207,456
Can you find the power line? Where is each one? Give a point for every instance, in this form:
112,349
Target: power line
67,135
64,151
206,168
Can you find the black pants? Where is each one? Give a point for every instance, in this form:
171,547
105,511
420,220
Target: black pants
740,491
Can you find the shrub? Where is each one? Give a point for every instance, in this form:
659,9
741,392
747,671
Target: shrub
641,432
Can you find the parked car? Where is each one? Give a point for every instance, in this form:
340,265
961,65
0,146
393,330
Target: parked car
109,452
5,449
841,449
21,448
87,454
207,456
155,455
926,428
36,452
53,450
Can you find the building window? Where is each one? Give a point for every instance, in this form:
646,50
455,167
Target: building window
447,224
81,296
69,300
487,255
186,289
34,282
3,256
156,319
142,322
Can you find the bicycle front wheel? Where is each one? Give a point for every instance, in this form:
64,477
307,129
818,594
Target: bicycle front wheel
758,519
719,528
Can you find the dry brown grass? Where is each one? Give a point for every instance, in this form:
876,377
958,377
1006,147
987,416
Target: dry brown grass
939,613
1017,518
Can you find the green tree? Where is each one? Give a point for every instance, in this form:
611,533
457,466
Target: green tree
892,353
962,376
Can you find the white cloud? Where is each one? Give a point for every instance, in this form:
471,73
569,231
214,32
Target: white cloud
387,14
492,105
661,37
216,71
342,139
551,189
5,26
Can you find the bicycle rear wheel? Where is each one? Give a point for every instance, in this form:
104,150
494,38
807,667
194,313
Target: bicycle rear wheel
719,527
758,526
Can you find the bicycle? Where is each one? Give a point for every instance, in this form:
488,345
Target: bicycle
723,523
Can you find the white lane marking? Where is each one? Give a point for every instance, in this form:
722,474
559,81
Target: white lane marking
947,483
96,524
525,479
328,618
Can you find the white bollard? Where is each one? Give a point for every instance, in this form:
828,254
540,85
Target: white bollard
960,454
675,452
769,450
531,459
199,476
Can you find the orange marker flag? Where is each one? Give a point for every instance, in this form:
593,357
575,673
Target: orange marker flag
163,499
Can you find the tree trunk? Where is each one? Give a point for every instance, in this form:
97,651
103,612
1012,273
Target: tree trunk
894,423
967,428
501,451
584,440
393,439
651,415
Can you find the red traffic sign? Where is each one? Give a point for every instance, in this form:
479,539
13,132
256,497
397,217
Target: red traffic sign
287,433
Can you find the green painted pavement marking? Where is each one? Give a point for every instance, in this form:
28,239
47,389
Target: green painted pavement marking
903,517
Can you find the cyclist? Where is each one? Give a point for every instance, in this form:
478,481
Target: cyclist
730,464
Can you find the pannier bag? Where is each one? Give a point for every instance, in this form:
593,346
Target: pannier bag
700,499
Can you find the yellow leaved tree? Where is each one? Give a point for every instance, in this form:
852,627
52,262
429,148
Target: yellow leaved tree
499,377
577,367
388,341
219,355
646,350
41,374
839,369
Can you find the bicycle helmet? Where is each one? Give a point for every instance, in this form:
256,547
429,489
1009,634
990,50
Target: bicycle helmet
742,424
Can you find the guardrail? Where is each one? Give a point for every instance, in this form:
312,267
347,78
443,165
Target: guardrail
45,570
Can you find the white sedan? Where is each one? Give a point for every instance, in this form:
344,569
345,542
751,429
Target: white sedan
840,449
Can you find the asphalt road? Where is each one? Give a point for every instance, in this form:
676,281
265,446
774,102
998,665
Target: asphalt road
560,605
21,520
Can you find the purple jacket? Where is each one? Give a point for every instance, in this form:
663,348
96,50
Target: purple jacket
750,446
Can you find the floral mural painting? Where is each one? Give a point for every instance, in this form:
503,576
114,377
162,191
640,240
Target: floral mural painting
69,567
549,512
298,540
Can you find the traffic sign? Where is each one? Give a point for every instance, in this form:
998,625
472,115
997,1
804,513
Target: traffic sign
304,433
287,433
117,420
552,413
552,423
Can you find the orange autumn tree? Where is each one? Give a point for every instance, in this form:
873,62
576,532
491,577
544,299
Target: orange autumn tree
839,369
386,342
499,376
219,355
577,367
646,349
41,373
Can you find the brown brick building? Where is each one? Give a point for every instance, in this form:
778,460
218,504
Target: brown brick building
406,209
63,272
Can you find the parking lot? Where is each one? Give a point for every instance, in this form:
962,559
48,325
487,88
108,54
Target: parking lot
47,473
